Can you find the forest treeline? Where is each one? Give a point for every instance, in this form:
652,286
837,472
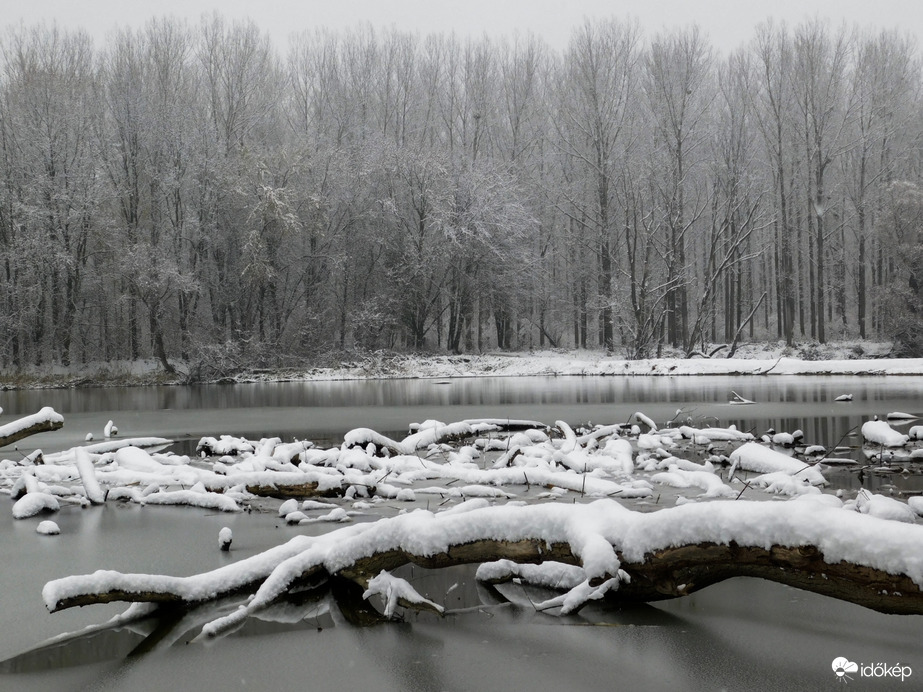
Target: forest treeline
190,192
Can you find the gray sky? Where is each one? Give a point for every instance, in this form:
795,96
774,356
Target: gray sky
728,22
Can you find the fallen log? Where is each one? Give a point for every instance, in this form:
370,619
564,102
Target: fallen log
95,494
281,484
284,491
45,420
629,556
434,432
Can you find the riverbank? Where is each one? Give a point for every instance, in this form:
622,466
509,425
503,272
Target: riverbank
840,358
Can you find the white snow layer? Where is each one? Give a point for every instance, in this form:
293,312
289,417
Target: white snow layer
31,504
393,589
880,433
45,415
47,528
192,498
752,456
580,362
884,507
95,494
552,575
706,480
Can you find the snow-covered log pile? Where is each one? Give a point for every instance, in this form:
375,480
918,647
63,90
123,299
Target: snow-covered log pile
109,471
501,493
490,458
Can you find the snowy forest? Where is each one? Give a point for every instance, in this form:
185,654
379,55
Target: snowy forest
194,193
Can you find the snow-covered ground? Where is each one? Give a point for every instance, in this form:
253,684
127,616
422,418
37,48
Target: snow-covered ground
842,358
591,363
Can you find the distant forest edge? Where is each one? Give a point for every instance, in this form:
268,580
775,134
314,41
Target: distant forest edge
189,192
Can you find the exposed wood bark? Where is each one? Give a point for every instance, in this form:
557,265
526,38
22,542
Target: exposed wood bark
124,596
172,598
356,610
293,490
680,571
683,570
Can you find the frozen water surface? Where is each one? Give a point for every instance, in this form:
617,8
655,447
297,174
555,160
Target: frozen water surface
738,634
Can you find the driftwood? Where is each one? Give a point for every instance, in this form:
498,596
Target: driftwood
569,534
45,420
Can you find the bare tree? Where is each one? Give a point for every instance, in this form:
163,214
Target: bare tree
735,211
680,90
382,189
598,81
882,84
773,51
52,193
819,86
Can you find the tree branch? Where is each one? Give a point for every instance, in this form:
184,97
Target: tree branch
45,420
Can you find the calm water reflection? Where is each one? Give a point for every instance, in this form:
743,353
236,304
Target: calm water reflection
328,409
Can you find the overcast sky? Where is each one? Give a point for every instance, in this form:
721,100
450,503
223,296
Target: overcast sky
728,22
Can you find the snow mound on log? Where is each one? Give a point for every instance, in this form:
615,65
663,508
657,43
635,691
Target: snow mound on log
880,433
753,456
47,528
31,504
884,507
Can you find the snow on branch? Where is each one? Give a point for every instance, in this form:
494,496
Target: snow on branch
432,432
45,420
398,591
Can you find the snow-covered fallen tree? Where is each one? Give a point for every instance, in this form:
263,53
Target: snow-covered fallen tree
629,556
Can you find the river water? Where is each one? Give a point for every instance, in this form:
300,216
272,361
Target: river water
742,634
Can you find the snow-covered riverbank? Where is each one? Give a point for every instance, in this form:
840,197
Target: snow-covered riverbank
841,358
588,363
